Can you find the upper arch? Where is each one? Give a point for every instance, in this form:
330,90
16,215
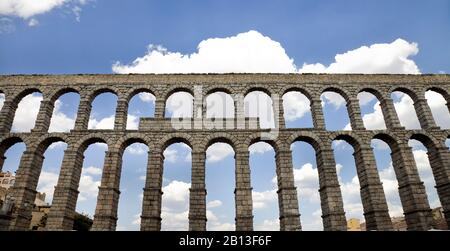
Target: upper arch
337,90
297,89
6,143
133,92
407,91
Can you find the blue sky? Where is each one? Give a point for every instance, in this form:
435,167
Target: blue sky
310,31
87,36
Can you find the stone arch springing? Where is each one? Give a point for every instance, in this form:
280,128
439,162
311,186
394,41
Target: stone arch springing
25,109
5,146
103,109
62,109
437,100
258,103
404,106
335,103
140,104
371,109
297,108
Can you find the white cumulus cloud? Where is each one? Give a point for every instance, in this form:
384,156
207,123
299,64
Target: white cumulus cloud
246,52
218,151
47,183
60,122
376,58
104,123
92,170
214,204
175,206
88,184
263,199
296,105
26,9
253,52
374,120
406,112
439,109
307,182
137,149
260,148
26,113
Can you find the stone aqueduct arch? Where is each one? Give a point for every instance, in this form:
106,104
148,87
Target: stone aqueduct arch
157,133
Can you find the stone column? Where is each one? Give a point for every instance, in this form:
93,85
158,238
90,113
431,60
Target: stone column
411,189
243,192
105,217
440,164
151,205
287,192
389,114
197,107
239,109
376,211
120,120
333,214
24,190
278,111
7,115
160,106
44,116
84,111
197,195
65,197
424,113
317,114
354,113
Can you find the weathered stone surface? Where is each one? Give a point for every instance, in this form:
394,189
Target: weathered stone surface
240,133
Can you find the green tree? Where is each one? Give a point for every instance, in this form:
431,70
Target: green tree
82,222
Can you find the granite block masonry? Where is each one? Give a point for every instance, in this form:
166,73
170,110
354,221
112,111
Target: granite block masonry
200,132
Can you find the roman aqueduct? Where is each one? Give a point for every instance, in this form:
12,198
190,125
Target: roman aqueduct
159,132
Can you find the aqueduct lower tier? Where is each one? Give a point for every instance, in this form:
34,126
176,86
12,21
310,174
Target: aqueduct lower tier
158,132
